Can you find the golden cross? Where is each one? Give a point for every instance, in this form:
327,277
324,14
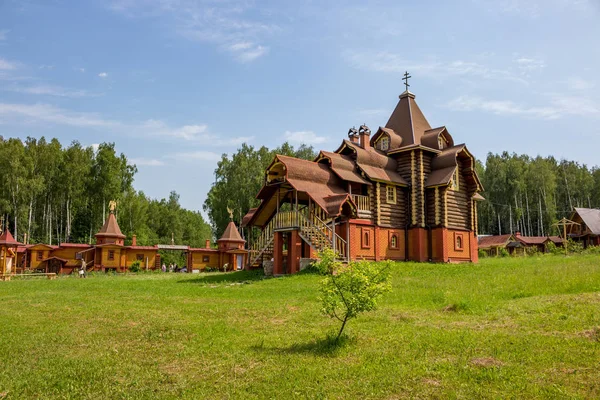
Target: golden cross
405,79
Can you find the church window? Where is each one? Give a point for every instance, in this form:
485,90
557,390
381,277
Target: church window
390,194
458,245
139,257
454,183
365,239
205,259
394,242
384,143
111,255
40,255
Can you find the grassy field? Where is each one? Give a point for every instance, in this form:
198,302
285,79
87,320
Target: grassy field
505,328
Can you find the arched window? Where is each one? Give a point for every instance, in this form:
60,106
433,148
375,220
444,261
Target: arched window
458,241
365,239
394,242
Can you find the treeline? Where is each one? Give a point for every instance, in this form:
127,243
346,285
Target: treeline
52,194
530,194
239,178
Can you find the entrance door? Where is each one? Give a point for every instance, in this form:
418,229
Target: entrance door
240,261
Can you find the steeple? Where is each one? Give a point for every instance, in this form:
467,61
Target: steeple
407,120
110,231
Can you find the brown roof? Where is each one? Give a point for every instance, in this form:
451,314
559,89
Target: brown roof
494,241
395,139
556,239
78,245
203,250
7,239
315,179
110,228
62,260
532,240
376,165
440,177
407,120
344,167
231,234
141,247
591,217
248,216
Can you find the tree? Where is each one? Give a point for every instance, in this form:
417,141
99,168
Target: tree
351,289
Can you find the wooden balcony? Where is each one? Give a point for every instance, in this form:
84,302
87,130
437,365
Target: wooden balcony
363,205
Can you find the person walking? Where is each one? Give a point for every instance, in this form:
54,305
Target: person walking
164,268
82,269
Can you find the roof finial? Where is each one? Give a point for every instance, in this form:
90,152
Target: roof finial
405,79
230,211
111,206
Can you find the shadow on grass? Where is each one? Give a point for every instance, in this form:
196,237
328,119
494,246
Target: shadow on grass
327,346
227,277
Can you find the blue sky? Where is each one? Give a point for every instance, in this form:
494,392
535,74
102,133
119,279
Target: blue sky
177,83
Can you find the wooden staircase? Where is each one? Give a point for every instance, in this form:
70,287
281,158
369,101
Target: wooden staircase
311,228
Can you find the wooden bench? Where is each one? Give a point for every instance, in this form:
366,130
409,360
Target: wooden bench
49,275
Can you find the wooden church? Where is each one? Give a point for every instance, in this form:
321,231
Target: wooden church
408,192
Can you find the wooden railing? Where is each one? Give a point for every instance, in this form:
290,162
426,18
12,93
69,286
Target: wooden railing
312,228
363,203
258,246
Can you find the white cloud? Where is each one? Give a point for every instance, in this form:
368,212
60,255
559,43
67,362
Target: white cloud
231,26
95,147
149,162
7,65
527,65
45,66
45,113
50,90
390,62
103,75
81,69
49,113
560,106
304,137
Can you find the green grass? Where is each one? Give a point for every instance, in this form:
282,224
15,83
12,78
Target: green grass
505,328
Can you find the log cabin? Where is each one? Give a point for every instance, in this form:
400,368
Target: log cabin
587,227
406,193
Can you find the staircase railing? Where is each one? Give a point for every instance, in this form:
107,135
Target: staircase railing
258,246
312,228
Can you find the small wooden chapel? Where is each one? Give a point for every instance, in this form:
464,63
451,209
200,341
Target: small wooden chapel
407,192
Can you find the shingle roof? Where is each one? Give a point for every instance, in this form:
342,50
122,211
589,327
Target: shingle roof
407,120
591,217
315,179
494,241
231,234
110,228
7,239
532,240
344,167
248,217
376,165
